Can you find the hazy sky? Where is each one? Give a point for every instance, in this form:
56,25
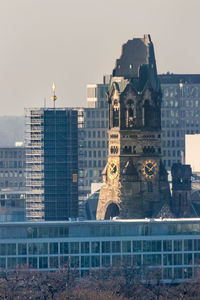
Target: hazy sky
76,42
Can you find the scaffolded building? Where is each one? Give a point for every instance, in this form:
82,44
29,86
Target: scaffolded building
51,163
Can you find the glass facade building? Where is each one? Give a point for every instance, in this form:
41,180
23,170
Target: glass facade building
171,246
52,164
180,114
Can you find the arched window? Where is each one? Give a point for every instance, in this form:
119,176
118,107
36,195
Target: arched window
148,114
115,117
112,211
130,113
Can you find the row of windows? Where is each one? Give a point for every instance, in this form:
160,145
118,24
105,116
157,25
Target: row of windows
97,124
82,229
94,163
180,103
12,203
94,144
12,184
11,174
97,114
95,261
94,173
172,153
179,123
173,133
11,154
169,163
95,153
173,143
105,247
183,90
12,164
179,113
95,134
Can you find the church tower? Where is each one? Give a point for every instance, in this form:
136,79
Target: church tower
135,183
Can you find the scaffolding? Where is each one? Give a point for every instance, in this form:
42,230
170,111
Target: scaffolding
81,137
51,142
34,124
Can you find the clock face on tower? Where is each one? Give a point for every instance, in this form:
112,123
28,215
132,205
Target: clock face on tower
113,169
149,169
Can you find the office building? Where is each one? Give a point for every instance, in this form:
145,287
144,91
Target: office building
168,246
51,163
95,133
180,114
12,168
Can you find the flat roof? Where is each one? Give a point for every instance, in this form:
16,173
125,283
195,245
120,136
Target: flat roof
171,78
113,221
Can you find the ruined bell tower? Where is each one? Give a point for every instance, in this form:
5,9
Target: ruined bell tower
135,181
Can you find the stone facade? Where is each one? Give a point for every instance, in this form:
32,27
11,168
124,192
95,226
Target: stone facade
181,204
135,181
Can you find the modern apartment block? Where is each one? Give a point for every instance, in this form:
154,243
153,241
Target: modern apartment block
95,133
180,113
51,163
12,168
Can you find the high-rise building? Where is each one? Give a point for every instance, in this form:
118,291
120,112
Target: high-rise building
52,163
95,133
180,114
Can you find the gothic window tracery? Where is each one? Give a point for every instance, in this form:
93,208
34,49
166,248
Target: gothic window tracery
148,149
130,113
148,114
114,149
129,149
115,113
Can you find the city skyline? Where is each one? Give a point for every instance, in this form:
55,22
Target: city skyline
75,43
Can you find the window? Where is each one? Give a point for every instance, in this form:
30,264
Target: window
126,246
106,248
85,247
53,248
74,247
95,247
116,246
